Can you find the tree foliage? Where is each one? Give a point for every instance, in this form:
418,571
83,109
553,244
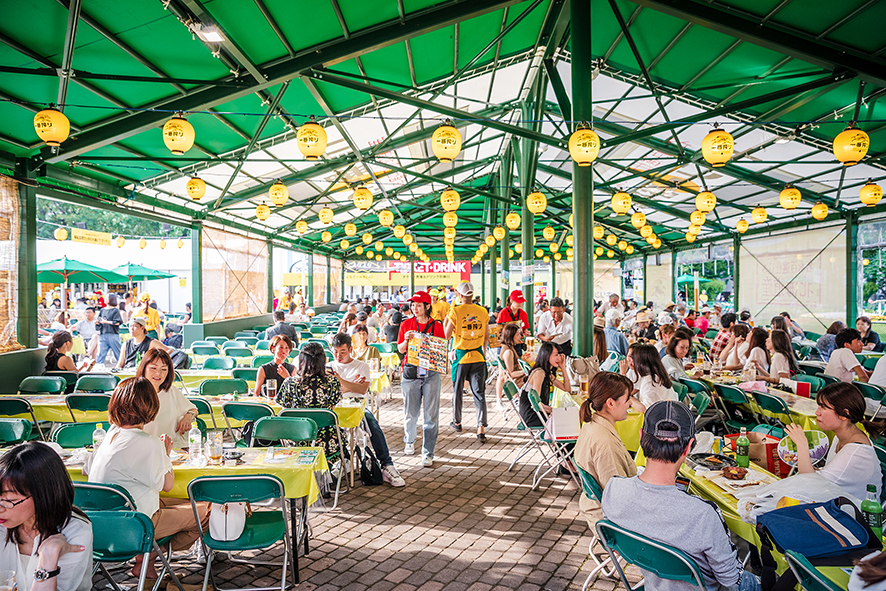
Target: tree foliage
58,213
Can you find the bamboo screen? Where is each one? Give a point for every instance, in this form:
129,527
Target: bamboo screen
659,280
235,275
335,281
9,229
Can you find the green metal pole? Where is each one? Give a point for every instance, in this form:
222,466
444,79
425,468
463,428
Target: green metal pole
582,184
674,275
493,264
852,279
553,278
270,305
482,276
504,189
645,294
197,273
309,271
411,277
736,248
28,296
328,281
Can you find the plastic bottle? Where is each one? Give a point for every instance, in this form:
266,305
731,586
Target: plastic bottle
873,511
195,443
742,449
98,436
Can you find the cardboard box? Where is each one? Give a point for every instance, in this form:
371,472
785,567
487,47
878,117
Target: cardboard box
763,451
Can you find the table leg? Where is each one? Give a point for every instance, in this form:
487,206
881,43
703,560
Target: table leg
295,529
352,446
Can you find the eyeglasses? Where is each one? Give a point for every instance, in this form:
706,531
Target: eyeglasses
7,504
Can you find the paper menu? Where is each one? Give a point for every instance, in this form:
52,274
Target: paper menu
428,352
495,332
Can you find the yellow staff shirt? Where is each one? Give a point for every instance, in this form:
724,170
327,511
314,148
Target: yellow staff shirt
152,318
470,323
440,310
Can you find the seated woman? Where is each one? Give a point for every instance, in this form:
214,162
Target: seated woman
41,530
653,383
139,462
827,342
313,387
60,344
347,322
665,333
511,337
360,345
677,350
758,355
735,354
852,462
784,362
869,338
60,322
176,412
542,377
778,323
277,370
599,449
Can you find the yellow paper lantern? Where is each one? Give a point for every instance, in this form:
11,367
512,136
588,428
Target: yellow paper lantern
385,218
413,247
866,262
407,240
278,193
539,253
557,256
448,232
610,253
325,215
450,199
389,251
694,230
630,249
162,244
446,142
871,193
180,243
598,232
483,248
742,226
60,234
547,259
657,243
326,236
570,220
620,203
311,139
344,244
851,145
490,241
569,252
121,241
697,218
789,198
584,145
498,233
548,233
358,249
518,248
362,198
536,202
646,231
690,237
759,215
367,238
717,147
705,202
450,219
52,126
611,240
370,255
510,253
622,245
448,241
599,251
513,220
399,231
379,246
570,240
262,212
819,211
650,239
178,134
350,229
378,257
638,220
196,188
554,247
301,226
143,243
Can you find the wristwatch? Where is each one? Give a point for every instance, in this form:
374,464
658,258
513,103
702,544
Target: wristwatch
41,574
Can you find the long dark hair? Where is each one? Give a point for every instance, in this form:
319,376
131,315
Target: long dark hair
508,333
647,362
543,360
779,323
34,469
675,340
58,341
600,351
835,327
781,343
311,361
758,339
848,401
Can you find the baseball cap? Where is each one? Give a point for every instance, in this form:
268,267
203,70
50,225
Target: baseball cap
421,297
669,419
361,316
705,310
517,296
613,313
465,288
664,318
434,292
138,320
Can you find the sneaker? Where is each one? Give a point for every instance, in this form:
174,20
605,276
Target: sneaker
456,426
481,437
390,475
427,462
409,449
499,407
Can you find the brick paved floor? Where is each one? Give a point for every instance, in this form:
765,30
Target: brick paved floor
465,523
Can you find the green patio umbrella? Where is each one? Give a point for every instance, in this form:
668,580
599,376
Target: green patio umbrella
684,279
138,273
65,270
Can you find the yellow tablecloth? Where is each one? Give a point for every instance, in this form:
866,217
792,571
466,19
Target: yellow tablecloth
390,360
298,480
349,417
79,348
836,575
628,430
802,408
191,377
53,408
379,381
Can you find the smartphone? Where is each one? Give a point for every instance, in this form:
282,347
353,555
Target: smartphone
682,483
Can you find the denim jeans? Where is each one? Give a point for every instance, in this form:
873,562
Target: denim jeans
108,341
377,439
748,582
422,394
475,373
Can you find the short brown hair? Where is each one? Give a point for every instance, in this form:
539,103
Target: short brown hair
153,355
279,338
134,402
603,386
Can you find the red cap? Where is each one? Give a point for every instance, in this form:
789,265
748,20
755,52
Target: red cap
517,296
422,297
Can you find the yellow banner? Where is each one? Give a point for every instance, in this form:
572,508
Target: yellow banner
401,279
90,237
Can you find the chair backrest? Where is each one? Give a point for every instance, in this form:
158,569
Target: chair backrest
235,489
829,379
245,333
731,394
247,340
238,352
681,389
384,347
810,369
664,561
120,535
96,383
711,333
285,428
14,431
772,403
12,406
220,363
246,411
232,343
217,340
88,402
695,386
203,406
812,336
870,362
263,345
317,330
202,344
69,376
299,325
43,385
871,391
222,387
249,374
815,382
73,435
204,350
305,334
323,417
701,401
510,389
260,360
589,485
92,496
809,577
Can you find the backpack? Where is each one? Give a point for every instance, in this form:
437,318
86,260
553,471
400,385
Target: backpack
370,468
180,359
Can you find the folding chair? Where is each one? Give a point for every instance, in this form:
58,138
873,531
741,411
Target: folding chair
323,418
203,408
773,404
815,382
244,411
96,383
69,376
263,345
829,379
645,553
259,360
870,362
510,391
592,490
810,369
222,387
247,374
74,435
231,343
13,431
238,352
562,452
217,340
225,363
737,397
245,333
204,350
52,385
293,429
12,406
263,528
872,392
810,578
87,403
701,399
248,341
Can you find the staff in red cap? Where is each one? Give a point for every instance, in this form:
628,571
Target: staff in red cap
420,386
514,312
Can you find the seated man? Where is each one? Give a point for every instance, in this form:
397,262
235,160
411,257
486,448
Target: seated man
138,344
680,520
172,339
844,364
282,328
354,378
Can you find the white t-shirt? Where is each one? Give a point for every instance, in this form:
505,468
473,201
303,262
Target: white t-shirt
350,371
842,365
561,333
173,406
853,468
134,460
779,365
76,567
878,378
652,391
738,355
86,329
758,355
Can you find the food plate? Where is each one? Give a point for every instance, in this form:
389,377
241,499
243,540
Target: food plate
233,455
752,478
818,448
712,461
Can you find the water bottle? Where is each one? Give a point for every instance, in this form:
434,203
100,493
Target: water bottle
98,436
873,511
742,449
195,443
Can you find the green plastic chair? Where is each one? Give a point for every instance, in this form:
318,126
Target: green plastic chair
202,344
74,435
248,374
231,343
815,382
259,360
305,334
244,411
732,395
772,403
810,369
245,333
812,336
300,325
682,390
248,341
14,431
226,363
205,350
223,387
592,490
829,379
203,409
96,383
322,418
12,406
263,345
52,385
317,330
217,341
69,376
870,362
664,561
700,401
87,402
263,528
238,352
561,454
871,391
286,428
711,333
810,578
94,496
385,347
322,342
